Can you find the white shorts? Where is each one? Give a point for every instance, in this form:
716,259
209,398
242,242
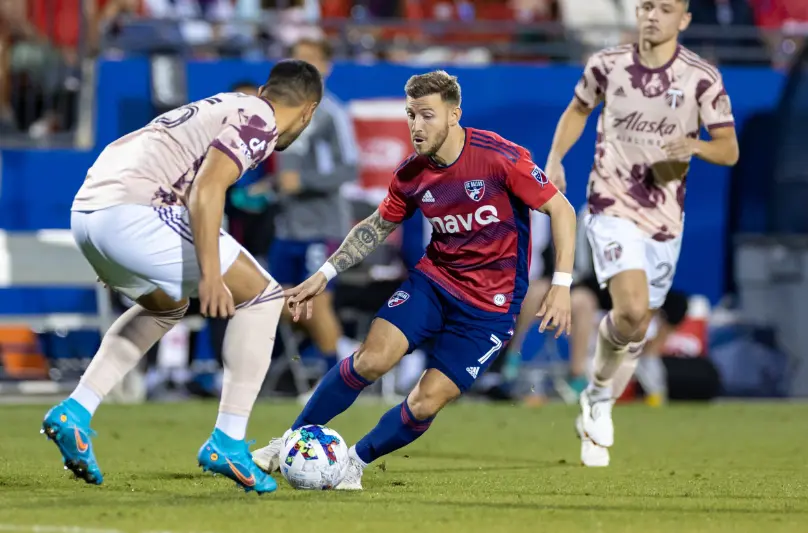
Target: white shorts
136,249
619,245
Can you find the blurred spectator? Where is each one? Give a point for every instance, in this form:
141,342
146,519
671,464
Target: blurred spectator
14,28
40,63
723,14
789,16
203,23
599,23
526,11
295,20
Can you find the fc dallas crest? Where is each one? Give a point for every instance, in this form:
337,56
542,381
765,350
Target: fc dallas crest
397,299
475,189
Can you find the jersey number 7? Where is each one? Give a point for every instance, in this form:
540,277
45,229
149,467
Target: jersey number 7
497,345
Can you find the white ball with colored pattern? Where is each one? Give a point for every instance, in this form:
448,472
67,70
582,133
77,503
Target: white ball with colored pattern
314,458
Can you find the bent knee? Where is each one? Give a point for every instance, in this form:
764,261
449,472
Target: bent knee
372,363
426,400
425,405
634,313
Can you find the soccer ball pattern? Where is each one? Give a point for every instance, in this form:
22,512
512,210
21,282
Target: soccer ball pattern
314,458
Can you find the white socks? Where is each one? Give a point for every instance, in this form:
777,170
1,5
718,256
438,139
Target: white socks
122,348
248,345
87,398
234,426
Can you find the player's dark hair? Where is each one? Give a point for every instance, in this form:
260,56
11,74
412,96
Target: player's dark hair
435,82
323,45
293,83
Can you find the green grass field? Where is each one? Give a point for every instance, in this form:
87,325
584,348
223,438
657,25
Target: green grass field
730,467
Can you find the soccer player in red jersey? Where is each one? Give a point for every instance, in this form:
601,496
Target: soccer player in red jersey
656,96
462,299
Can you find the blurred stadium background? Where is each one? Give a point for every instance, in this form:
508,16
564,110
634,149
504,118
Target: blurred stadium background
76,74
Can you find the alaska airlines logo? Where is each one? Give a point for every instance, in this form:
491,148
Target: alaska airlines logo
636,122
483,216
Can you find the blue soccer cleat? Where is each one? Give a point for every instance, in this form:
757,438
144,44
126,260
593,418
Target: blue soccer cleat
232,458
68,425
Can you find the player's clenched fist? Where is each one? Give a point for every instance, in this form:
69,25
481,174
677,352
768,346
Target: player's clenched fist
300,297
555,311
215,299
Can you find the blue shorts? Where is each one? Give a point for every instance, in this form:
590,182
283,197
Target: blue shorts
461,340
291,262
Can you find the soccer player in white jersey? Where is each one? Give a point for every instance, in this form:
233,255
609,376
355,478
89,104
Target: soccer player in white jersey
656,97
148,219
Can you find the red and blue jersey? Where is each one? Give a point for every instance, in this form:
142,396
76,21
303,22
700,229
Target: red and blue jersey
479,209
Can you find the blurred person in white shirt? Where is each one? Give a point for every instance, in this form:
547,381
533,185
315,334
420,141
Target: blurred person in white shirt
599,23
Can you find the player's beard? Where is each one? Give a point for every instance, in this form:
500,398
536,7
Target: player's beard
287,138
432,149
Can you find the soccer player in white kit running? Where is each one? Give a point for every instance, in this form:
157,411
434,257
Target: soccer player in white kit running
148,219
656,97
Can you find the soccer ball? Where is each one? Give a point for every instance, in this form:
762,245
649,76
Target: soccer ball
314,458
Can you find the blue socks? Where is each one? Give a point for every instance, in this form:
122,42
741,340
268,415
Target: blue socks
339,389
330,360
396,429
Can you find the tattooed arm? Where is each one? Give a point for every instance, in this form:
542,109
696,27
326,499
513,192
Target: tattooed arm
361,241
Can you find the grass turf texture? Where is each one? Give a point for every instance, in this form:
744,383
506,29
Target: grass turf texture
726,467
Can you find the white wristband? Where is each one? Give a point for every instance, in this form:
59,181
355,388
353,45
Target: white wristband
562,278
328,271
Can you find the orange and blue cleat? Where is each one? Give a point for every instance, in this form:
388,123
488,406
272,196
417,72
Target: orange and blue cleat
68,425
232,458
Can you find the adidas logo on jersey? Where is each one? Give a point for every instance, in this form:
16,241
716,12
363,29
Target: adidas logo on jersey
427,198
473,371
620,92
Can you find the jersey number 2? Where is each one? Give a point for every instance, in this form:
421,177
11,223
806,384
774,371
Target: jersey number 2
662,280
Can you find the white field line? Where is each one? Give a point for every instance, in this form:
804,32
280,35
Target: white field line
40,528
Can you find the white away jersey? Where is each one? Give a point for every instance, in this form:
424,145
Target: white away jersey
157,164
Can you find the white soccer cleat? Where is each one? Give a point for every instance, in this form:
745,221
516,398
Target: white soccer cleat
596,417
268,458
304,398
353,477
592,455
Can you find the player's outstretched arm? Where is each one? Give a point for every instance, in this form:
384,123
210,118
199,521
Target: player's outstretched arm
556,312
563,224
360,243
569,129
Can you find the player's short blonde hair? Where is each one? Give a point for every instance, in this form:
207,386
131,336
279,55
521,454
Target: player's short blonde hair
435,82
